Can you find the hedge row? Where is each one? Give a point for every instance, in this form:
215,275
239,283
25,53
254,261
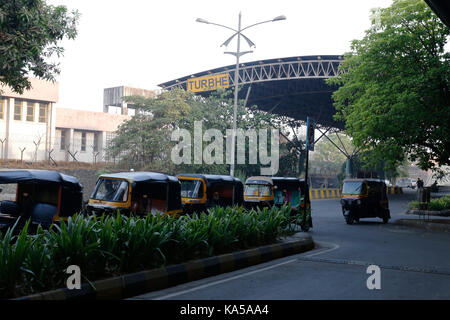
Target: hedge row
107,246
437,204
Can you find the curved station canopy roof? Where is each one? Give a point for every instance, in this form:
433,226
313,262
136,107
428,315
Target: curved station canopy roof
294,87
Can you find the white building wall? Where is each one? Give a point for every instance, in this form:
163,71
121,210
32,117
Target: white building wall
75,143
29,136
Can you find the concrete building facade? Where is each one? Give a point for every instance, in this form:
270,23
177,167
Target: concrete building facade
27,121
32,128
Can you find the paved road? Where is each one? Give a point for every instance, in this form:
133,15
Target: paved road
414,264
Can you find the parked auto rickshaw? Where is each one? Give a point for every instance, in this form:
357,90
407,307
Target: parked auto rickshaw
263,191
44,196
258,192
364,198
139,193
202,191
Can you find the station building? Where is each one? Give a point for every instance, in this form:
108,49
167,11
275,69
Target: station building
32,128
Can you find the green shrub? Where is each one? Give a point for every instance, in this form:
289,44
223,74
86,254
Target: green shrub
13,252
413,205
112,245
437,204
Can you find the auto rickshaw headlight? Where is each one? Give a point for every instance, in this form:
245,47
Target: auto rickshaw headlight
358,202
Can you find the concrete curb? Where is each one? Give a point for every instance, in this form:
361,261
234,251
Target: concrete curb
423,224
442,213
134,284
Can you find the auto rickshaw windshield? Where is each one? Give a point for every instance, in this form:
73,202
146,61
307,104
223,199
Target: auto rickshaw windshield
354,187
111,190
191,188
257,190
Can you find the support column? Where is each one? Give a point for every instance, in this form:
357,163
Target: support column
9,119
69,145
348,168
51,127
102,145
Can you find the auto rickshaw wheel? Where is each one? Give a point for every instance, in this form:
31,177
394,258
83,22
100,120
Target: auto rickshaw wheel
349,219
386,216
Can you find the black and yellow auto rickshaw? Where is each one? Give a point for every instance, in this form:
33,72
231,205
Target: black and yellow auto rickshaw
139,193
261,191
43,196
258,192
200,192
364,198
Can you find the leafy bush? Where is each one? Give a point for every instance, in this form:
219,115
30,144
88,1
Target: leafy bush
112,245
438,204
442,203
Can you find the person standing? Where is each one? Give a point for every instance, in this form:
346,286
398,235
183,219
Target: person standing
419,183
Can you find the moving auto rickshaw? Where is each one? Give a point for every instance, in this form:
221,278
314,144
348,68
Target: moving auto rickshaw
263,191
202,191
364,198
139,193
44,196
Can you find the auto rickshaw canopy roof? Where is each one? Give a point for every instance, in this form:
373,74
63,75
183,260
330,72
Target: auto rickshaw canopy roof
211,179
288,182
39,176
363,180
259,180
141,176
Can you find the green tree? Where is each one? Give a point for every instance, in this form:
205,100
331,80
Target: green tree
144,140
29,34
216,112
394,87
327,158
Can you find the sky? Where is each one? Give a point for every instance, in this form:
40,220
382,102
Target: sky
141,43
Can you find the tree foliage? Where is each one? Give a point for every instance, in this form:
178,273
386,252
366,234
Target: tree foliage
144,141
145,138
394,87
29,34
327,158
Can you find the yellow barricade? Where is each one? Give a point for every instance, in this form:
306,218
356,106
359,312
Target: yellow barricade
324,193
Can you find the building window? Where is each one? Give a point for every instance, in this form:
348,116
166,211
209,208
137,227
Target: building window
63,140
95,142
83,141
30,111
3,104
43,107
17,109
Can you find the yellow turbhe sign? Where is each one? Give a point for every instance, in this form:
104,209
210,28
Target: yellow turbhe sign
208,83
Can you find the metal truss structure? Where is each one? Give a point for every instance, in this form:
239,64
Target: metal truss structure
293,87
311,67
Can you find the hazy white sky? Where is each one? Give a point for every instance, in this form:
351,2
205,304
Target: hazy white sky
143,43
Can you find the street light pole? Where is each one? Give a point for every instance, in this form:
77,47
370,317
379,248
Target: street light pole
236,91
238,53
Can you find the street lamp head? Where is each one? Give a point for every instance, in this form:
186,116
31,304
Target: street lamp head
201,20
279,18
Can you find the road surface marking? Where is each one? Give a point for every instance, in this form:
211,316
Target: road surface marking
328,244
334,246
223,280
382,266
